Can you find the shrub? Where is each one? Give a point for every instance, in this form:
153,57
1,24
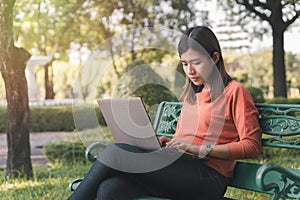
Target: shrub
294,101
257,94
65,152
282,100
277,100
73,149
3,119
50,118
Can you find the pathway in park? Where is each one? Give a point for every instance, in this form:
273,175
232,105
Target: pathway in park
37,141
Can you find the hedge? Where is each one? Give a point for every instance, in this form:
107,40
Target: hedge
60,118
257,94
49,118
282,100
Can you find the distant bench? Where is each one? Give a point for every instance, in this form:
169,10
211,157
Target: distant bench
281,127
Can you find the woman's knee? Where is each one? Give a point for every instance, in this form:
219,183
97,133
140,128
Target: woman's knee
105,189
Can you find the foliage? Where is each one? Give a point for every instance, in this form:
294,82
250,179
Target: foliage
282,100
245,12
69,30
141,80
72,150
293,68
294,101
257,94
66,152
284,11
49,118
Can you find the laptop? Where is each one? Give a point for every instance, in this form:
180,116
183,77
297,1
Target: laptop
129,122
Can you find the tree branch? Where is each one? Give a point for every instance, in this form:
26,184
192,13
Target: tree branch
260,4
289,22
251,8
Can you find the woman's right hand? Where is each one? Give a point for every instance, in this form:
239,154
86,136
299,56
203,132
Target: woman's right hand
163,140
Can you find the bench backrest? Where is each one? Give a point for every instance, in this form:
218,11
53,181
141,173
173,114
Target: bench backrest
280,123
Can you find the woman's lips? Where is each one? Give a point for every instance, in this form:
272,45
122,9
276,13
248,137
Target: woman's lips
193,78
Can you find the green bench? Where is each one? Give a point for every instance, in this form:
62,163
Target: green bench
281,127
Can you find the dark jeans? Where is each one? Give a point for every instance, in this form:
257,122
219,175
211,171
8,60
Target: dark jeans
124,172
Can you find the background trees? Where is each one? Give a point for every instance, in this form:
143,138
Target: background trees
279,14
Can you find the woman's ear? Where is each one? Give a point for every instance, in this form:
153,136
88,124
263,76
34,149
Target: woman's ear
216,57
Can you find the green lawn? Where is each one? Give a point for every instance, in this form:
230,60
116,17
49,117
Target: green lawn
51,182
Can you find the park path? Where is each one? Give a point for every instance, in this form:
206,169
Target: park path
37,141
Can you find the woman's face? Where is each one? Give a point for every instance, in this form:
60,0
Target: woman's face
196,66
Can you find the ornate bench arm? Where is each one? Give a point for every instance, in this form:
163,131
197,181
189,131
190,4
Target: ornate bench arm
74,184
284,182
94,147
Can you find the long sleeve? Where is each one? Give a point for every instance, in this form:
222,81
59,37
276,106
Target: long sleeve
245,117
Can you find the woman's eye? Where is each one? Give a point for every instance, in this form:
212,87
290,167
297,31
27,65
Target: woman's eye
184,64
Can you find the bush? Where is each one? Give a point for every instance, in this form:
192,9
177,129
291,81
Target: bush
72,149
65,152
3,119
49,118
277,100
294,101
257,94
282,100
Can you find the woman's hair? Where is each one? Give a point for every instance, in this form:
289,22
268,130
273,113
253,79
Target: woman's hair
203,40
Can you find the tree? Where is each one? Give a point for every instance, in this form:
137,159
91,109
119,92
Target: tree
12,66
279,14
47,28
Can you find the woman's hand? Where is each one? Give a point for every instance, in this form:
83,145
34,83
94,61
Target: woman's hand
218,151
195,149
177,144
183,145
163,140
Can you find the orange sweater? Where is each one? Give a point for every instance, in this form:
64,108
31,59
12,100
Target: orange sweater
230,119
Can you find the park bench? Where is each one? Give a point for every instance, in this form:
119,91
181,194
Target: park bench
281,127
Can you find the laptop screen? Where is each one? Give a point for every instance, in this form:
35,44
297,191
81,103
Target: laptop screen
129,122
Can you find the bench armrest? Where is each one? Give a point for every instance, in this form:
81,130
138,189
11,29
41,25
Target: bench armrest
74,184
285,182
96,148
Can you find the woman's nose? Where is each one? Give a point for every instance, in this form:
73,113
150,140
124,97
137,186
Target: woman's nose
190,69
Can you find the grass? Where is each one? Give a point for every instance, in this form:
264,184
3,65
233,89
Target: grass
51,182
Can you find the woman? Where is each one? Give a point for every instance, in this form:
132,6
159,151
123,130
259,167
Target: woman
218,121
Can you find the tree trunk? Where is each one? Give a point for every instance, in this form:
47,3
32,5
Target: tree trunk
12,66
18,157
278,28
49,92
278,63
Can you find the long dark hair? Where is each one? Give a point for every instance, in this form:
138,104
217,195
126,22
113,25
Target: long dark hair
203,40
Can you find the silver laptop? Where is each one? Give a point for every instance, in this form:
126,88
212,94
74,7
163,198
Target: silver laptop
129,122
